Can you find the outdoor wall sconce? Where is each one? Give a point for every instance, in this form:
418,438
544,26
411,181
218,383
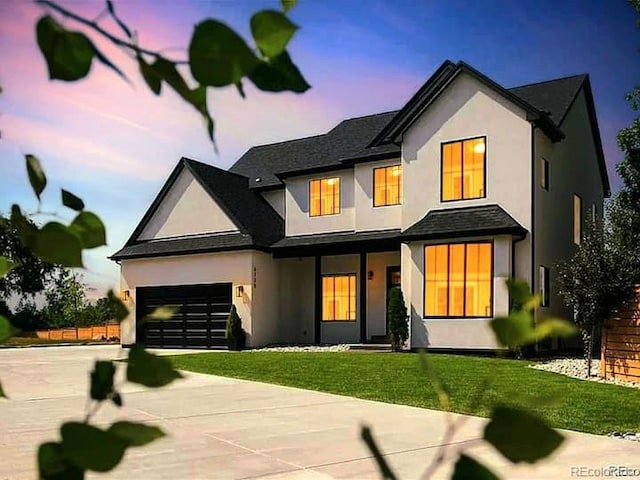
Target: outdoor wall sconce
124,295
239,291
370,275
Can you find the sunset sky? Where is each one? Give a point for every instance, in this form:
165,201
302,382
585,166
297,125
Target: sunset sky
114,144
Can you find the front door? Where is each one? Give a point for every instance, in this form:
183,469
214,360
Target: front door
393,280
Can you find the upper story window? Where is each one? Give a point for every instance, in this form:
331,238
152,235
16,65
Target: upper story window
544,173
463,167
324,196
387,186
577,219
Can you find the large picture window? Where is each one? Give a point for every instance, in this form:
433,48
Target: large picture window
463,169
458,280
324,196
338,298
387,186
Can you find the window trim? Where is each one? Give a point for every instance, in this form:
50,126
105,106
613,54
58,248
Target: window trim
580,217
424,281
373,183
341,274
442,144
545,175
339,196
544,287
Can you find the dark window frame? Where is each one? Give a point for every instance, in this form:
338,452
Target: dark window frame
385,179
424,280
484,169
342,274
339,197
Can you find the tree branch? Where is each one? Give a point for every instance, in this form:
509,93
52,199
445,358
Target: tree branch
93,25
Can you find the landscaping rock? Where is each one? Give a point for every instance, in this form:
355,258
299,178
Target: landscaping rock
575,368
303,348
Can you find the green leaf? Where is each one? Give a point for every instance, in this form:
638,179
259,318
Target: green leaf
288,5
90,448
102,379
135,434
71,201
6,266
520,293
272,31
56,243
521,436
385,470
218,56
26,230
52,464
439,386
151,77
37,177
149,370
116,398
2,393
515,330
279,75
119,309
89,229
68,54
555,327
467,468
7,330
162,313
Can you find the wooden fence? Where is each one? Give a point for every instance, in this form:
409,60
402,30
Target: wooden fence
96,332
620,357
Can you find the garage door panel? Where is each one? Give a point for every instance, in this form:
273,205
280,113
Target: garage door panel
199,321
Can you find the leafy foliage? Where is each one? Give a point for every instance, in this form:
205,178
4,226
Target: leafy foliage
149,370
272,31
398,320
102,380
235,335
136,434
467,468
37,177
72,201
65,300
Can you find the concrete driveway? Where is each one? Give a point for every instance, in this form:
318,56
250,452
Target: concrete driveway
225,428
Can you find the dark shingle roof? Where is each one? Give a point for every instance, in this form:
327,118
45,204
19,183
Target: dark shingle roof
464,222
345,141
553,96
349,242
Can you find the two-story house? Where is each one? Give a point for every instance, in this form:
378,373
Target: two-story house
467,184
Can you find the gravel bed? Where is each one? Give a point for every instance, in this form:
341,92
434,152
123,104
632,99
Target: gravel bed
303,348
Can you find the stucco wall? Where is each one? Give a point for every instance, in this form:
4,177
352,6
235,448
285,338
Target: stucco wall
342,332
266,296
377,291
298,221
573,168
368,217
472,333
297,299
234,267
275,198
187,209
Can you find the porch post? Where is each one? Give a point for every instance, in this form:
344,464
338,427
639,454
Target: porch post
318,299
363,297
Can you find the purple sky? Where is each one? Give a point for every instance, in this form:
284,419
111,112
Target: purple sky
114,144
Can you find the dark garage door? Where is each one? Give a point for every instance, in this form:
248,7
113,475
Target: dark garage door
200,320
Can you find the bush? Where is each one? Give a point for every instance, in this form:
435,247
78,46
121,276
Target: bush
5,311
398,323
235,335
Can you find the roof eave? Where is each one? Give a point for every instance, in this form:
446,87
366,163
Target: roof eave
514,230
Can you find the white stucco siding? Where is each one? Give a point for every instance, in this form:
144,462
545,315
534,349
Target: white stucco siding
231,267
275,198
573,169
377,264
266,297
297,299
368,217
466,109
342,332
298,221
458,333
187,209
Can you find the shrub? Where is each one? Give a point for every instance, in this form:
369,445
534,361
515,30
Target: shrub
235,335
398,323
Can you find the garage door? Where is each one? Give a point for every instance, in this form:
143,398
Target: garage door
200,319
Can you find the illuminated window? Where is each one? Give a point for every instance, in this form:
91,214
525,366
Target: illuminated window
577,219
463,169
387,186
544,285
324,196
458,280
338,298
544,173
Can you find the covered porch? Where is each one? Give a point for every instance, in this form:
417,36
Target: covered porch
335,286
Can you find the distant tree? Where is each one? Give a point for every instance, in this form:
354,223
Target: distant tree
27,317
595,282
398,324
96,313
32,274
65,300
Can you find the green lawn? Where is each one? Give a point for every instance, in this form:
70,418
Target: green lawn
398,378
